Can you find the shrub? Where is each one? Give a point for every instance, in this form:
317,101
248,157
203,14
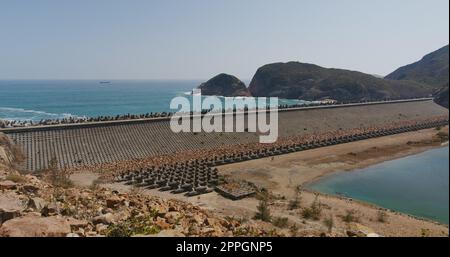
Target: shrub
133,226
263,210
314,211
16,178
294,230
280,222
295,203
350,217
382,216
329,223
58,178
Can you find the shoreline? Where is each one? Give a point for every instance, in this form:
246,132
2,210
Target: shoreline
337,172
371,204
324,163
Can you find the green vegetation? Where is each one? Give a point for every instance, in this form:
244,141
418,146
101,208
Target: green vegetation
281,222
432,69
142,225
58,178
224,85
294,80
15,177
329,223
350,216
263,210
295,203
314,211
382,216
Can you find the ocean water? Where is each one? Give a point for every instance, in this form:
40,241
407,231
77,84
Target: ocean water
52,99
417,185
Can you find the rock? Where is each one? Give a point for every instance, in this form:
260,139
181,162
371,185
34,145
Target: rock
91,234
170,233
113,202
76,224
172,217
72,235
160,209
11,206
50,209
32,226
107,218
358,230
160,222
37,203
28,188
7,185
99,228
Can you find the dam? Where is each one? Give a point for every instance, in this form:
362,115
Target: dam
74,145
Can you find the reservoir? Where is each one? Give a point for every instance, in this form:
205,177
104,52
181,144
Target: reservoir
416,185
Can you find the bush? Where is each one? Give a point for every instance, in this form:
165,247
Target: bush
58,178
16,178
133,226
294,230
314,212
263,210
294,204
280,222
329,223
350,217
382,216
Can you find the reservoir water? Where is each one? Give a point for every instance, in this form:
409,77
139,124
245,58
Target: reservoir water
416,185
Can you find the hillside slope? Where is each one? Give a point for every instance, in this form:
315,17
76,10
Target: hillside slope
295,80
432,69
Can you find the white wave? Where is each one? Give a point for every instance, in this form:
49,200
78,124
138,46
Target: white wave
20,114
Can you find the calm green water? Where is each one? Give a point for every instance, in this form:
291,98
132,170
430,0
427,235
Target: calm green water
417,185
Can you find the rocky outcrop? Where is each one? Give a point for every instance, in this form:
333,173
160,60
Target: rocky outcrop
432,69
35,226
294,80
224,85
33,207
11,206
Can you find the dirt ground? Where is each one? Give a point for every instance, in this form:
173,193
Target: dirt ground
281,175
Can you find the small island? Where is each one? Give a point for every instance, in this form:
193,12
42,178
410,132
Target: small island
224,85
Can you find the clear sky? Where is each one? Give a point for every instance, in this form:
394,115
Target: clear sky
197,39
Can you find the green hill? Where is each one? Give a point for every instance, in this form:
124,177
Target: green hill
432,69
294,80
224,85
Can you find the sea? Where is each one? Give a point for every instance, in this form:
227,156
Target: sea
416,185
36,100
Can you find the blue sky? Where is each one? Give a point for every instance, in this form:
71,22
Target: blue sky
197,39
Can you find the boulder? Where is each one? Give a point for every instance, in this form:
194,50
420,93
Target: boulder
160,222
33,226
7,185
28,188
172,217
170,233
37,203
11,206
107,218
113,202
